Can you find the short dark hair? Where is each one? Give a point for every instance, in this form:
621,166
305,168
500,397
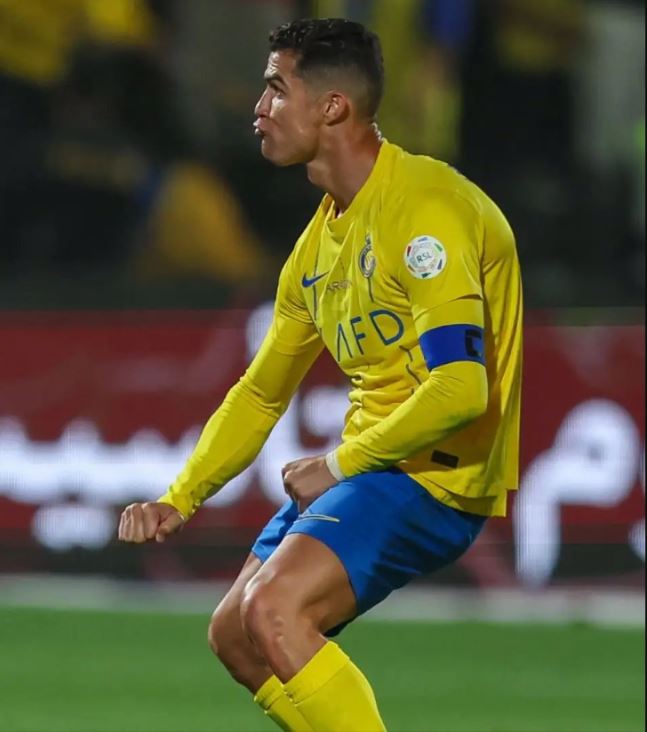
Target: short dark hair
331,44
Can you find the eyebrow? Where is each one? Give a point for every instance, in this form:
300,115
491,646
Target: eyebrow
275,78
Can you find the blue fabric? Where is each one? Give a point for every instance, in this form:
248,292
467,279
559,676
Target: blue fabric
449,22
451,343
385,528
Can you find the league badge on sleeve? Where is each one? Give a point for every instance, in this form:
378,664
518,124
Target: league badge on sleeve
425,257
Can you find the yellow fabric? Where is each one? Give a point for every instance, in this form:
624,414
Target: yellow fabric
539,35
234,435
120,21
333,695
329,8
422,99
197,228
346,286
274,702
37,35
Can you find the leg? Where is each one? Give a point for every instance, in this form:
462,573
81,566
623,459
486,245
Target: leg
302,591
229,641
242,659
227,638
356,543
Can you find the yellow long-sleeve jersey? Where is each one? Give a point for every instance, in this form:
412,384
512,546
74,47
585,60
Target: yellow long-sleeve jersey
415,290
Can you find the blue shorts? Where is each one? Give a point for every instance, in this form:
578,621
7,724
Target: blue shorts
385,528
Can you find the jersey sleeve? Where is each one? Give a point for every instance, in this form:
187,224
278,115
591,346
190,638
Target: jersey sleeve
436,261
236,432
436,264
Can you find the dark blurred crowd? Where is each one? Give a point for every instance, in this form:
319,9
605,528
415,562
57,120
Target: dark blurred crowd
129,175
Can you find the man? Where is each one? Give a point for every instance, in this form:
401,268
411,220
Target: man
408,274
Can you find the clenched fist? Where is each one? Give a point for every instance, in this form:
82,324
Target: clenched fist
142,522
306,479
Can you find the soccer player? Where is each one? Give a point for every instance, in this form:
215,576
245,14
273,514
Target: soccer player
408,274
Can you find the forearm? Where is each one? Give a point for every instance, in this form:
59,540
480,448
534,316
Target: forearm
234,435
231,439
451,397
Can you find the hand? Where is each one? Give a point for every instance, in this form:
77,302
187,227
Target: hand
141,522
306,479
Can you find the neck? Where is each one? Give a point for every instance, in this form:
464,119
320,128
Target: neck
343,164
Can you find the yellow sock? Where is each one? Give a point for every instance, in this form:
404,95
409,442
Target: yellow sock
277,706
333,695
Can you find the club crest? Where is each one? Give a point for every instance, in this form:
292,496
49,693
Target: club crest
366,258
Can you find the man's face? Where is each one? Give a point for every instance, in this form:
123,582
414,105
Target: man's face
288,114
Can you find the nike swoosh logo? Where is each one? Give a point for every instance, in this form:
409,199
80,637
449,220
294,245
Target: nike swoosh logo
318,517
309,282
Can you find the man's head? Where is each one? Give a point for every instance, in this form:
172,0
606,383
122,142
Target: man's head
320,73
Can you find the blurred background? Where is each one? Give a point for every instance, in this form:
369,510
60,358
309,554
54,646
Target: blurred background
141,235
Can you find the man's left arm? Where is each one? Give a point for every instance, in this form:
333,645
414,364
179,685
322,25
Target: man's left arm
453,395
438,266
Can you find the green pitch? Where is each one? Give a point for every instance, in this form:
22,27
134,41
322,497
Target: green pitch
66,671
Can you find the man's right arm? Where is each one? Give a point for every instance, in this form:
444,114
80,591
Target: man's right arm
236,432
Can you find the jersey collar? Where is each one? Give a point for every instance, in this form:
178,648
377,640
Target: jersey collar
338,227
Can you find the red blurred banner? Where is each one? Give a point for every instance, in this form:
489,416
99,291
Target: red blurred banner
98,410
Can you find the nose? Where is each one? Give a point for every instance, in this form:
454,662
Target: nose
260,110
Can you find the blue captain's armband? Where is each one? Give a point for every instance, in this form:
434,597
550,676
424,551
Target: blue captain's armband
450,343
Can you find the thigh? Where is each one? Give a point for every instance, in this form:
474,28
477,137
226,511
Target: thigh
310,579
385,529
313,576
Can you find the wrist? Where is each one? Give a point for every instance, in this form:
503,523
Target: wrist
333,466
183,507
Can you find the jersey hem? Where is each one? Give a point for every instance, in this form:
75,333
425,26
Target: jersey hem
491,506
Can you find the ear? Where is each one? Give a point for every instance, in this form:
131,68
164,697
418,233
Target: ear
336,108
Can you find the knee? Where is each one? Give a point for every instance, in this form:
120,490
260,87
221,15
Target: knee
224,640
262,612
266,611
233,649
216,634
